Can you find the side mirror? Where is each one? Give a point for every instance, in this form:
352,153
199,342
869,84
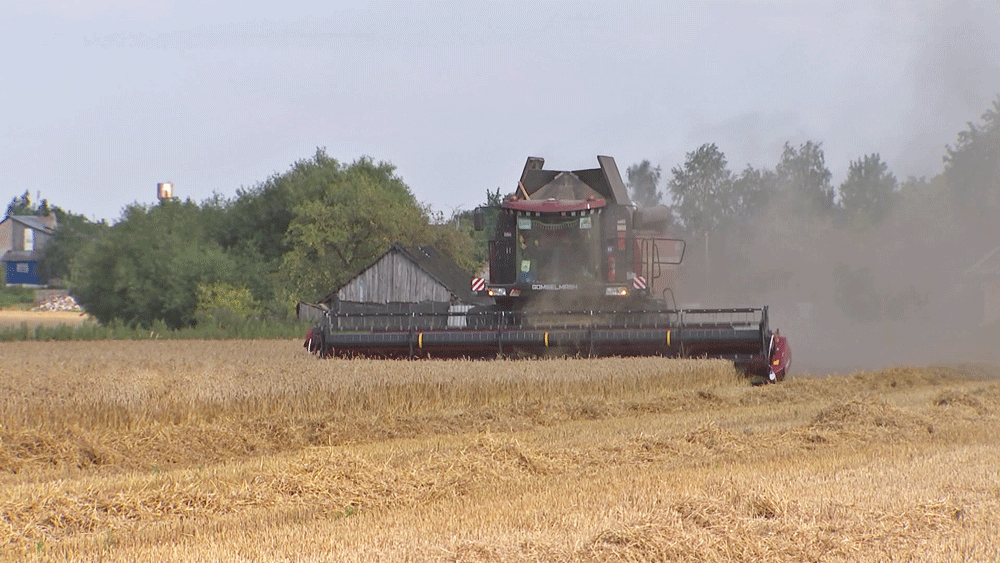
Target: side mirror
479,219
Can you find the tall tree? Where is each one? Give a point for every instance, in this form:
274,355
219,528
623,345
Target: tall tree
643,184
803,170
869,190
257,220
21,205
702,189
972,165
752,191
72,234
148,266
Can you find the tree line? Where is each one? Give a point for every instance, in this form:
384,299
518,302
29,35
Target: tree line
876,245
295,236
300,233
708,196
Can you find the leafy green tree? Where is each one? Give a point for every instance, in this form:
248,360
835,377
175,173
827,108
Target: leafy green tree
256,221
24,206
72,234
253,227
802,170
346,216
869,190
21,205
295,236
702,190
643,184
224,305
148,266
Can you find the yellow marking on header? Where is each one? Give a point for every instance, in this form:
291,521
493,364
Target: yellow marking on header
546,339
420,340
668,338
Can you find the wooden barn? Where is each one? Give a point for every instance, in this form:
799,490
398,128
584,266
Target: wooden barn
404,280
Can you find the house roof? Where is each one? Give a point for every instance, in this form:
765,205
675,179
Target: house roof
432,261
43,224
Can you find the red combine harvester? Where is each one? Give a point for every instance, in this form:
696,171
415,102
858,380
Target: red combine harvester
574,269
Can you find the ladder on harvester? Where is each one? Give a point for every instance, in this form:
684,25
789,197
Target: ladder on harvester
652,261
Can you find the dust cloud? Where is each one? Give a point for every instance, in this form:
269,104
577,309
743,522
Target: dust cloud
903,291
857,296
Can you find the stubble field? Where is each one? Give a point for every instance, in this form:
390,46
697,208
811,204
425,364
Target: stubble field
255,451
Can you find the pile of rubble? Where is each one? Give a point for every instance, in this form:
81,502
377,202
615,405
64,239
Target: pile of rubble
58,303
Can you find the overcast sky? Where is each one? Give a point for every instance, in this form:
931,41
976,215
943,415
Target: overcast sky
102,99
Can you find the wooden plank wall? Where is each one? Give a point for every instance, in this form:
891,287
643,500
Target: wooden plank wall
394,278
308,312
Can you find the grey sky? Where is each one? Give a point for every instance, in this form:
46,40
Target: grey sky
102,99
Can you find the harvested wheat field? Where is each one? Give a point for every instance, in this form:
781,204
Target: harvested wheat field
255,451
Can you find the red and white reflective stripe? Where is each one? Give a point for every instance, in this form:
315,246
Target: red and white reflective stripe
478,284
639,282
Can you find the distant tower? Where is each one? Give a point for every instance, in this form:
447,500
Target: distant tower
164,191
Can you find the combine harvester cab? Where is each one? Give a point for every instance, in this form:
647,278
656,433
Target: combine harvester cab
574,269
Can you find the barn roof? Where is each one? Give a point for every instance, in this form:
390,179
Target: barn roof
433,262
